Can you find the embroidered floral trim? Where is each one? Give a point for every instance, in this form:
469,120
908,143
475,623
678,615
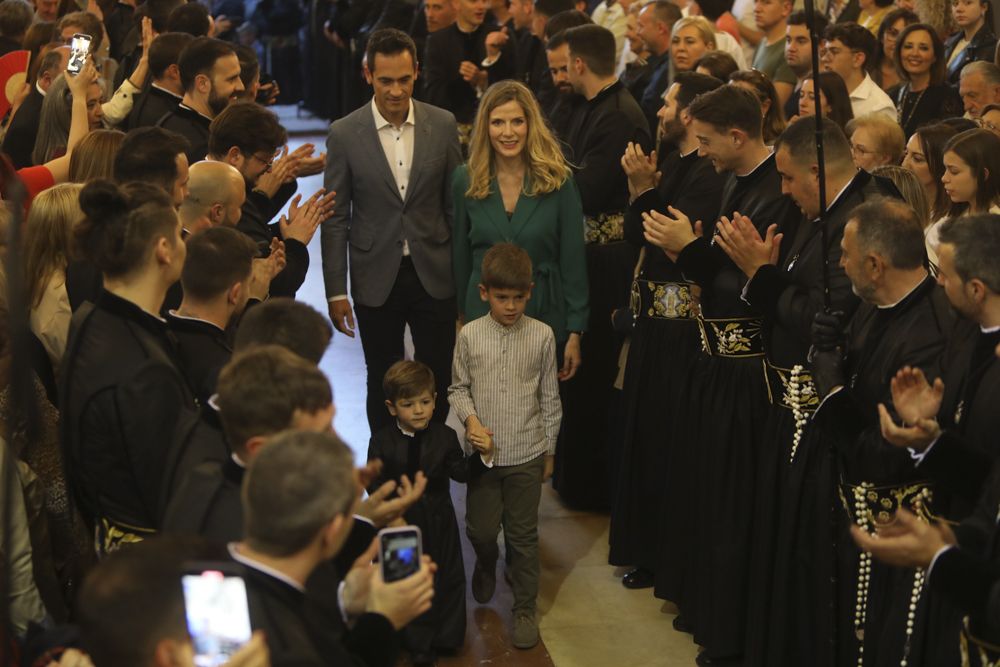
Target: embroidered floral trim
604,228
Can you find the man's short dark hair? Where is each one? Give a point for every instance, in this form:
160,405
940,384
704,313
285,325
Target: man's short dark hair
693,84
132,600
166,51
798,17
199,57
248,126
507,266
249,64
595,46
295,486
665,11
564,21
217,258
854,37
192,18
977,245
549,8
15,17
389,42
51,61
150,154
728,107
86,23
291,324
799,139
261,389
159,11
890,228
719,64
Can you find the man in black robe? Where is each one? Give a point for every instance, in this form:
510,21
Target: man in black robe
721,420
210,74
600,128
787,288
164,91
19,140
904,320
462,60
295,530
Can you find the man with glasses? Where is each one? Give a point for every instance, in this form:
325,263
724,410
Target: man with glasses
847,50
248,137
979,86
210,75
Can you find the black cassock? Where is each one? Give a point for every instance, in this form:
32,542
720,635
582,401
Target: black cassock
598,132
874,478
203,349
664,344
191,125
707,532
257,213
437,453
152,105
788,296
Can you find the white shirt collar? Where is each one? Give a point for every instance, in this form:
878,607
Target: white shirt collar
381,122
174,313
989,330
39,89
408,434
168,92
864,89
261,567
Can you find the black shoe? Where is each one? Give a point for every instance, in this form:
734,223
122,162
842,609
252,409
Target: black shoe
423,659
638,578
484,582
681,624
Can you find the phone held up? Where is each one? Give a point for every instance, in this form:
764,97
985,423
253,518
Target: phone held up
79,49
399,552
217,612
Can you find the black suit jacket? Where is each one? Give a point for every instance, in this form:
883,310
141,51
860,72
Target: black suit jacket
192,126
203,349
150,107
20,138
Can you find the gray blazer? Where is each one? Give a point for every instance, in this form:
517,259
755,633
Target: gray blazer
371,219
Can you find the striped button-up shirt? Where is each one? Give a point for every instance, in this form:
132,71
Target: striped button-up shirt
506,376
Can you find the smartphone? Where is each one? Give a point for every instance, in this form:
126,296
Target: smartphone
79,49
399,552
218,616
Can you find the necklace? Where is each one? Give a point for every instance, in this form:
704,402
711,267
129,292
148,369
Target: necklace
904,118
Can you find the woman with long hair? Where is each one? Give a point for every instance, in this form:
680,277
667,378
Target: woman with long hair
923,157
923,95
761,86
884,67
94,156
48,237
971,176
518,187
122,398
974,40
834,100
52,140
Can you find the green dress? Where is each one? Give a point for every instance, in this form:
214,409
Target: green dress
549,227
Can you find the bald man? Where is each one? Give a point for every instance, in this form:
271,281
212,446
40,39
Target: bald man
216,192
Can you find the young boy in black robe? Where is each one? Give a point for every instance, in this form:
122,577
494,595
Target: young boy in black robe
414,443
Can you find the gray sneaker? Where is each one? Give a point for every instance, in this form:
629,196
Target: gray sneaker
525,630
484,582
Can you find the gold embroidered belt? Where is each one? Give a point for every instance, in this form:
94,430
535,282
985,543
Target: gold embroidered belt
604,228
738,337
111,535
976,652
798,393
878,504
664,300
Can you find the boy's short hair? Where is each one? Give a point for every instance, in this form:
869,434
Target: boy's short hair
291,324
507,266
407,379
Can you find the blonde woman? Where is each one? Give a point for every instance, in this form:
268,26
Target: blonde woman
47,239
518,188
909,186
876,140
691,38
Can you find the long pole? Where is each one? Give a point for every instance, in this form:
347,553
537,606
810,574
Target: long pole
814,38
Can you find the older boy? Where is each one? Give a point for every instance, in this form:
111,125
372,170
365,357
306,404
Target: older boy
505,391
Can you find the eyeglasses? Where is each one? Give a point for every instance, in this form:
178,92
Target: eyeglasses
268,162
858,149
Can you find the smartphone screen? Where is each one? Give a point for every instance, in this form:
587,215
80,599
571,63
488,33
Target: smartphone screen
399,552
218,616
79,49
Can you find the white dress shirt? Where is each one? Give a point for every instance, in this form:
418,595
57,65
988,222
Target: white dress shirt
397,144
869,98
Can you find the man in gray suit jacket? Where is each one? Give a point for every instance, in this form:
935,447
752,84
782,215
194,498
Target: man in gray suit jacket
390,163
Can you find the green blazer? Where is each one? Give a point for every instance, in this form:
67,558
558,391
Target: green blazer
549,227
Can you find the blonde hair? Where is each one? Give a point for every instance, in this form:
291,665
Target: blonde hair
546,166
908,185
702,24
48,234
889,137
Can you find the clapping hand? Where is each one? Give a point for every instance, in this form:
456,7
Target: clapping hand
740,239
917,402
302,221
640,169
381,511
670,232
